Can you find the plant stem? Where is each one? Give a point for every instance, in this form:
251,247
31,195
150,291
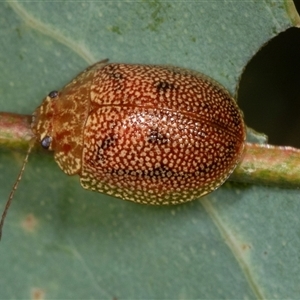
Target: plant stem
15,131
269,165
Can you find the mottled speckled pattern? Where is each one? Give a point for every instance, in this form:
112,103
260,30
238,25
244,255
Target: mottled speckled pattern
149,134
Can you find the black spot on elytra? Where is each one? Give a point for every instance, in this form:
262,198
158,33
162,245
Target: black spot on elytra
207,168
205,106
159,172
232,147
156,173
236,119
164,86
155,137
114,72
117,75
107,142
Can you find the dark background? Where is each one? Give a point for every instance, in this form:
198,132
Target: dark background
269,91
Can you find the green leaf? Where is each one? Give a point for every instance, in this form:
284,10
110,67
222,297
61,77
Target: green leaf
63,242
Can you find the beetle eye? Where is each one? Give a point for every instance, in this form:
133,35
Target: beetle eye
53,94
46,142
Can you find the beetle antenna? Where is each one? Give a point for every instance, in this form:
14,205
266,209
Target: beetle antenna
15,186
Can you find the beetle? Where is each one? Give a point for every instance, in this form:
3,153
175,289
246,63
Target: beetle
146,133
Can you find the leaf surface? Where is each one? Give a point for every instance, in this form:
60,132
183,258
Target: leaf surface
61,241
